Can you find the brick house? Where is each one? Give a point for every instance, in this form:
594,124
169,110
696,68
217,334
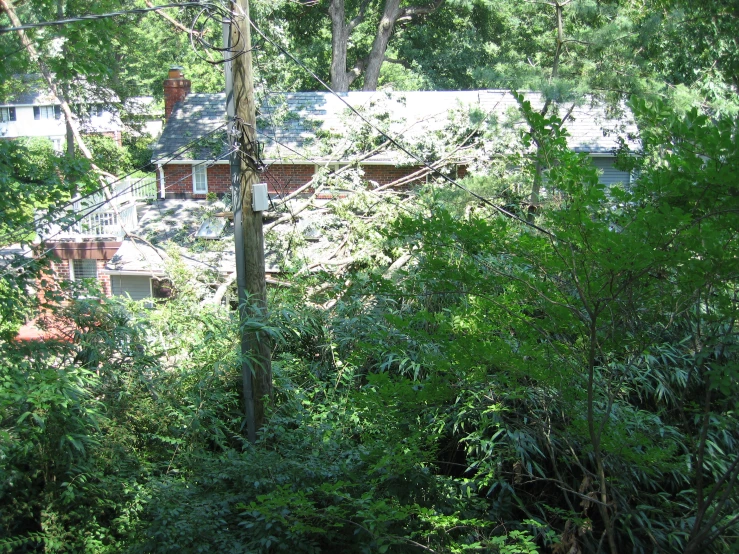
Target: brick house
301,132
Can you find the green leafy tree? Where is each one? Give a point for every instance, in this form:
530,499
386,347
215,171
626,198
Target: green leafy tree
34,180
593,341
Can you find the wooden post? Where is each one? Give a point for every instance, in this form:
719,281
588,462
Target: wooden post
249,236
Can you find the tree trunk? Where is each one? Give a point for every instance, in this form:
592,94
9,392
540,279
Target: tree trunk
377,55
339,40
341,30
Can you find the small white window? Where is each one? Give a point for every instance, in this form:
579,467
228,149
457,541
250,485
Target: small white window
83,269
199,179
47,112
7,114
58,145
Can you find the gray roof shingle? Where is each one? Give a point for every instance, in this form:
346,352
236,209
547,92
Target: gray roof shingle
30,90
294,124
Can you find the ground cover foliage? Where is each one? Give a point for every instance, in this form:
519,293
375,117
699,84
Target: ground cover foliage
505,390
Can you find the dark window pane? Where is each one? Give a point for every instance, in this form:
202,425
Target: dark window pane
84,269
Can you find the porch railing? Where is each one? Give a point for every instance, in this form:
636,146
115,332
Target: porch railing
97,217
140,188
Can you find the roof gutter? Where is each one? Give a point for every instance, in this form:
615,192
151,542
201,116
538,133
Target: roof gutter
134,273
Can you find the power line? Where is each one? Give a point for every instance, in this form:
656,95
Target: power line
93,17
92,209
401,206
169,157
395,142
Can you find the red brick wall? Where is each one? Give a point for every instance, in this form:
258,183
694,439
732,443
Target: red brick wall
178,180
285,178
61,272
384,174
280,178
219,178
104,279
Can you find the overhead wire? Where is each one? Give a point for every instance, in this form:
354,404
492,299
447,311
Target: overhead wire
207,10
280,187
91,209
19,267
220,16
338,174
166,158
93,17
401,206
395,141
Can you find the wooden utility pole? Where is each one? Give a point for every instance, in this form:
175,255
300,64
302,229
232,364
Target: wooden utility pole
256,365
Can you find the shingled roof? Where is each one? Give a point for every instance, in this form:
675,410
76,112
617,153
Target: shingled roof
30,90
293,125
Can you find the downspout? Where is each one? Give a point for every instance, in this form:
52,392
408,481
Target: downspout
161,180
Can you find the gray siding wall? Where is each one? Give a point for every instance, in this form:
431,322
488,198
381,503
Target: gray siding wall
135,286
609,174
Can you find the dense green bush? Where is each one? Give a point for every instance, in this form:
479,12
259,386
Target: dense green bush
507,390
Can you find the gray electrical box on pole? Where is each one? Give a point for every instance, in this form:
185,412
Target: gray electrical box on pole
256,365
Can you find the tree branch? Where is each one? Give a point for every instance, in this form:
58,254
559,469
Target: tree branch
172,20
359,17
414,11
402,63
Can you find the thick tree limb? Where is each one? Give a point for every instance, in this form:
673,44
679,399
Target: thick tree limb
396,265
173,21
341,30
401,63
360,16
414,11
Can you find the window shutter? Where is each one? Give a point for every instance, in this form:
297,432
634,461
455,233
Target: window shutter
11,113
36,112
57,112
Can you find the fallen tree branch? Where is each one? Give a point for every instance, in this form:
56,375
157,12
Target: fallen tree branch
396,265
308,267
220,291
179,26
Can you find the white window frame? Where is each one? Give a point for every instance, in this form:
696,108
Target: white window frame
200,179
7,114
47,112
57,144
73,277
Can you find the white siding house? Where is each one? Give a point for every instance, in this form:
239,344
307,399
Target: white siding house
39,114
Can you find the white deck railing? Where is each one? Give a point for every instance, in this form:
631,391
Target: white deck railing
95,217
140,188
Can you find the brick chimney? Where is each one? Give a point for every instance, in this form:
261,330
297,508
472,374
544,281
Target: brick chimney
176,88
